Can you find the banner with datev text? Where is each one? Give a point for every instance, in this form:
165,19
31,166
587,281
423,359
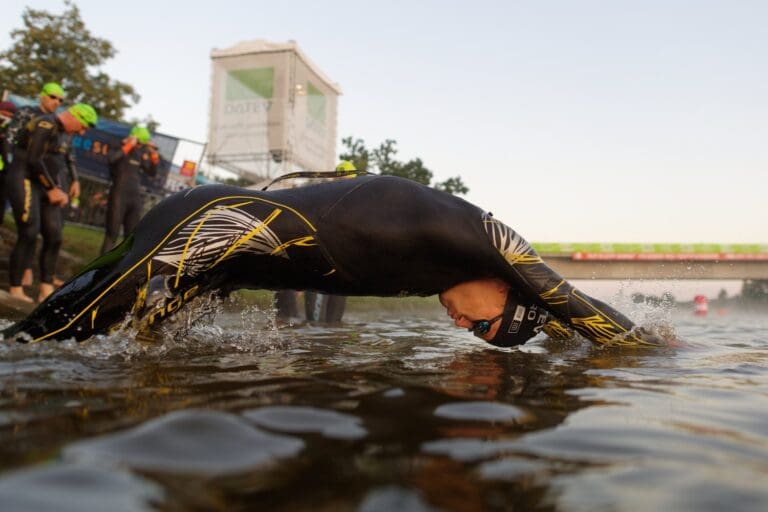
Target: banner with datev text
271,111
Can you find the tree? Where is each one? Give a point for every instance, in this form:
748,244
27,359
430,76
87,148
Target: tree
356,153
59,48
150,122
453,186
382,159
238,182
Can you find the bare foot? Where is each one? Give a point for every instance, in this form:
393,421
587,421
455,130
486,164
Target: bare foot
27,278
45,290
17,292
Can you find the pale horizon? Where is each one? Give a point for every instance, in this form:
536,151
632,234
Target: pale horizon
570,121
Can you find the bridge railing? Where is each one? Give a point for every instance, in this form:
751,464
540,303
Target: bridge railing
559,248
656,261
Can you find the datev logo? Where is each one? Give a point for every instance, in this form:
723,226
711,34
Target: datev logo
250,84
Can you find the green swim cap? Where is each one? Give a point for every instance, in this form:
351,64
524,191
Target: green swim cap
54,89
346,165
141,133
85,114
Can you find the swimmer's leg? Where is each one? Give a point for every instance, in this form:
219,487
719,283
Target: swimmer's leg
88,304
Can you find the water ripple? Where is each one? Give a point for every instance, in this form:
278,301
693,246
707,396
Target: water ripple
331,424
189,441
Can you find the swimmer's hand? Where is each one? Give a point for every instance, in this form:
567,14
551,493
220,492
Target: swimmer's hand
57,197
74,190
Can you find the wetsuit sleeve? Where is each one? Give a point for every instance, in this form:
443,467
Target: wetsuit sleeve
149,160
115,156
528,273
43,131
15,124
71,163
6,147
9,136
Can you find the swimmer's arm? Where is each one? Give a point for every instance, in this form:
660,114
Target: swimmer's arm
149,161
7,149
69,159
116,155
38,141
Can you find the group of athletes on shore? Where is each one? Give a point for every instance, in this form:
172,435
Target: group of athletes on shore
38,177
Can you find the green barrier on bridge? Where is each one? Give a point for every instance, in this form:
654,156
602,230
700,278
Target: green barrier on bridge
556,248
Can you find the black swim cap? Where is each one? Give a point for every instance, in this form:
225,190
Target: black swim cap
519,322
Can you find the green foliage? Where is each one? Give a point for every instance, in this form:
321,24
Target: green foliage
356,153
59,48
453,186
383,161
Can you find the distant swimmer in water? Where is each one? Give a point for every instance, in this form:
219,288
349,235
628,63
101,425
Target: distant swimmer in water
371,235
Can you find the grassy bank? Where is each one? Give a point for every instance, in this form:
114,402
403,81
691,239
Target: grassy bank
263,299
83,242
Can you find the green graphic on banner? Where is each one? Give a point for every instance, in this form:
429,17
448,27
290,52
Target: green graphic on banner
315,103
250,84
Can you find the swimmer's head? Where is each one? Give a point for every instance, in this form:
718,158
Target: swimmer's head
78,117
51,97
346,165
494,312
53,89
141,133
85,114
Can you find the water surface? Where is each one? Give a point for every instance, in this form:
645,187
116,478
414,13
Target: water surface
393,410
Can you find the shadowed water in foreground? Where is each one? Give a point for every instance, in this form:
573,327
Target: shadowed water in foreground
390,411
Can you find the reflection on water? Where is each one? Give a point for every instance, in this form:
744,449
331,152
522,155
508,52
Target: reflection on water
385,413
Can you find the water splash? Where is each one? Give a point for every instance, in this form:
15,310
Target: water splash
652,315
208,322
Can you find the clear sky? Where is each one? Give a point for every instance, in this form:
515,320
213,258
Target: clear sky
571,120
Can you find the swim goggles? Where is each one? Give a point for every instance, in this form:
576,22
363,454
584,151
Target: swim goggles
481,327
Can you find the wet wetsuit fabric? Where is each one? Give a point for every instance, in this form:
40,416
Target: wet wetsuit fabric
382,236
21,118
60,161
124,206
29,178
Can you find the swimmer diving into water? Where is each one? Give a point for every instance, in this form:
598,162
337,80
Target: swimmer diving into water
371,235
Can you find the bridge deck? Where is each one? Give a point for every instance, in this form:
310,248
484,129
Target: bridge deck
657,261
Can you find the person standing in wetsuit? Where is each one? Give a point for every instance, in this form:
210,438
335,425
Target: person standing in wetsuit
30,179
57,158
49,100
60,160
135,157
371,235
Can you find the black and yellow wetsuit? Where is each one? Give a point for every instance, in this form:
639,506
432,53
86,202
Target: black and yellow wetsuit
60,161
11,132
369,235
32,173
124,206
